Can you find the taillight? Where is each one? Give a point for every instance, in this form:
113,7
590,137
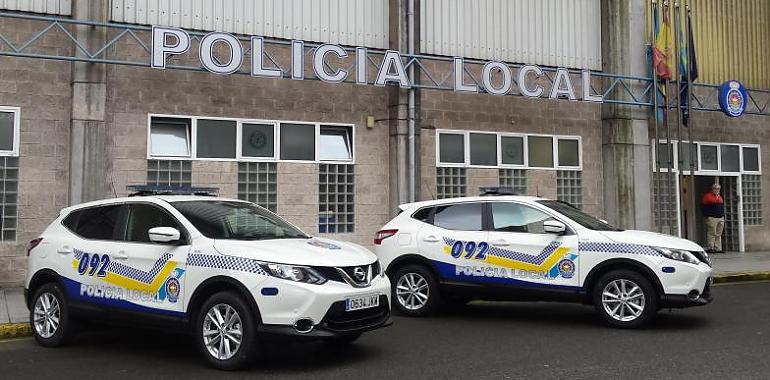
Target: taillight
32,244
382,235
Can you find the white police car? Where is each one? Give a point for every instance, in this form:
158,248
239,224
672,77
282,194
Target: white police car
526,248
227,270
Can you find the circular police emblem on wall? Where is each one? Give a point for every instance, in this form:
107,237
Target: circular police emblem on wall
733,98
257,140
567,268
172,289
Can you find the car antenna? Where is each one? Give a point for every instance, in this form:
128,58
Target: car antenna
432,196
112,185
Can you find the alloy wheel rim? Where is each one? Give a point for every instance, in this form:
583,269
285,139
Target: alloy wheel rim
623,300
412,291
46,315
222,331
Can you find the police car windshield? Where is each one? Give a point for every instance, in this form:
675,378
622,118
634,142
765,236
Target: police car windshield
236,221
578,216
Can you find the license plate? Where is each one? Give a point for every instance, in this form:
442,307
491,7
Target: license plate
363,302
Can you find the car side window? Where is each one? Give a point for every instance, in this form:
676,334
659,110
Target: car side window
97,223
515,217
143,217
423,214
461,217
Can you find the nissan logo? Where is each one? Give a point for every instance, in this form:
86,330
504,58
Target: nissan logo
360,274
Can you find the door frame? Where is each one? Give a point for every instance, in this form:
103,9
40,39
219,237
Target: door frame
738,190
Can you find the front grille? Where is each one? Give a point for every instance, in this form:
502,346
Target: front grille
340,321
348,274
702,257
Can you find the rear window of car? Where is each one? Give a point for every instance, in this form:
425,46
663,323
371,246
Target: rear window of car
459,217
96,223
424,215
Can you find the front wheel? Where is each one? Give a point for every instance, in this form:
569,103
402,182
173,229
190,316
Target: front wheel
625,299
226,331
416,291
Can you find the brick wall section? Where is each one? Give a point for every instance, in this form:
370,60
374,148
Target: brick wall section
133,93
481,178
482,112
220,174
298,195
42,90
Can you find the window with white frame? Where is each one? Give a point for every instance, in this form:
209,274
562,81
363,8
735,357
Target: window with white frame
709,157
170,137
335,143
228,139
507,150
10,122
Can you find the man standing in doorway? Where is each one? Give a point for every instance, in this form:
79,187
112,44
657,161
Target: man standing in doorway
713,206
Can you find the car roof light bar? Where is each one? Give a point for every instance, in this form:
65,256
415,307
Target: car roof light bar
143,190
497,190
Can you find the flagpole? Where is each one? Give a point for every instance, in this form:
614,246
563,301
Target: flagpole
656,191
678,77
693,149
667,122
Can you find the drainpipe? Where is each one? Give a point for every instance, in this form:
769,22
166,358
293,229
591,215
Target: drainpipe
411,102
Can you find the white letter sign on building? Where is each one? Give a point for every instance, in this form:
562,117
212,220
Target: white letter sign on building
496,78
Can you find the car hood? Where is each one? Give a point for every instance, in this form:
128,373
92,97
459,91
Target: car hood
311,252
651,239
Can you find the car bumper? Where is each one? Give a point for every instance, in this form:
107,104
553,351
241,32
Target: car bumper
324,305
337,322
700,298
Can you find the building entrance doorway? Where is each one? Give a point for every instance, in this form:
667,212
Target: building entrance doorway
692,216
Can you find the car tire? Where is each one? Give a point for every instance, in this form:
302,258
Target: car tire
625,299
49,315
217,329
342,340
415,291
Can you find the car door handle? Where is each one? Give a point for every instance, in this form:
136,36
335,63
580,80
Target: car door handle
500,243
430,239
120,256
64,250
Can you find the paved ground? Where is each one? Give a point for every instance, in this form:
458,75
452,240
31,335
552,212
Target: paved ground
727,339
736,262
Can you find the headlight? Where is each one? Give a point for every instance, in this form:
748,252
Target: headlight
679,255
294,273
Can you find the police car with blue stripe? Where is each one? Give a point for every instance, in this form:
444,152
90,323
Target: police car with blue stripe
227,270
509,247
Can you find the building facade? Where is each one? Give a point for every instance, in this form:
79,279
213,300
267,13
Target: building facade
83,114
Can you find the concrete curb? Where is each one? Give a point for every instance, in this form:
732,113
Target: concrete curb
15,330
741,277
18,330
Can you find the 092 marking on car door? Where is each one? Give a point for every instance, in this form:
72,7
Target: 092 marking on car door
552,262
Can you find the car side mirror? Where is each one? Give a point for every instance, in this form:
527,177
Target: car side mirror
554,227
164,234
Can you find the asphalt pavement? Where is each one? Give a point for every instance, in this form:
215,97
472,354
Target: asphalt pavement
728,339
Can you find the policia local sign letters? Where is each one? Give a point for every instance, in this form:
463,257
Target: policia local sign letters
173,41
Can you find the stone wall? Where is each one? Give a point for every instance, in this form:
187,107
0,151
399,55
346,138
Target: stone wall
42,90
